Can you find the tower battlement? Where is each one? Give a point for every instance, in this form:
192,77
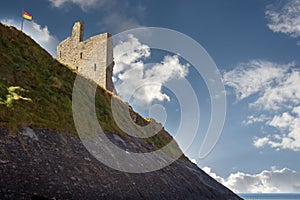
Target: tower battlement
93,58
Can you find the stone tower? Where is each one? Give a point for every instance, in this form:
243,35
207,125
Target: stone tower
93,58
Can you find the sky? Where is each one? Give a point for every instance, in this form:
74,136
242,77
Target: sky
255,46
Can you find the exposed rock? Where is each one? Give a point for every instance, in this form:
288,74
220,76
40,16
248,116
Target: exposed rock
59,167
29,132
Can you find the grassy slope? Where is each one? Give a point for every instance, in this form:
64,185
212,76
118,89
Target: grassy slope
49,85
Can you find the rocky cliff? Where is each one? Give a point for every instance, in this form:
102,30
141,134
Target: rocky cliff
41,155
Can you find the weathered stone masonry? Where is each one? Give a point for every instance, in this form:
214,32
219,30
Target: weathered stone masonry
92,58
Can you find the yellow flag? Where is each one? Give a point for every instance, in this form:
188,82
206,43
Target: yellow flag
27,16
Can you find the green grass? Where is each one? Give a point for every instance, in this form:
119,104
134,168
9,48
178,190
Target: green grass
46,87
24,64
48,84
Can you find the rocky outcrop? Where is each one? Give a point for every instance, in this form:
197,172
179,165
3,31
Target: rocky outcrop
42,164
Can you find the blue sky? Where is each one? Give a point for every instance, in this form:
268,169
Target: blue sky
254,44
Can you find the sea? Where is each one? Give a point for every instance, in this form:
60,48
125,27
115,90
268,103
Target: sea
271,196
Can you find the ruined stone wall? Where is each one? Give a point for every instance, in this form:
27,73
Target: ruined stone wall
92,58
110,62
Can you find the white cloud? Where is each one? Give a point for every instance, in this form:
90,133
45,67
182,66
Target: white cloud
289,124
214,175
135,79
252,77
283,95
116,21
267,181
128,52
260,142
278,93
84,4
40,34
256,119
194,161
285,18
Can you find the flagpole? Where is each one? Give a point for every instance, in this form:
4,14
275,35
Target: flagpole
22,25
22,20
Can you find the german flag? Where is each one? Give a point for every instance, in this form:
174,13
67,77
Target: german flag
27,16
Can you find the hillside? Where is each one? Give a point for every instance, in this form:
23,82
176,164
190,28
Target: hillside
48,86
41,155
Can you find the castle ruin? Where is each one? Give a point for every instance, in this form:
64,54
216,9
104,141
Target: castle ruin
92,58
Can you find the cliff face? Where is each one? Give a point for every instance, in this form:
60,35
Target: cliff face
42,163
41,155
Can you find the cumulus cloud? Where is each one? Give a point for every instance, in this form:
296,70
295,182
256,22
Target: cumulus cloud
194,161
214,175
40,34
267,181
285,18
141,82
277,91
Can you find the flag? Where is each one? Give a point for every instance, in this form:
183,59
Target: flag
27,16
